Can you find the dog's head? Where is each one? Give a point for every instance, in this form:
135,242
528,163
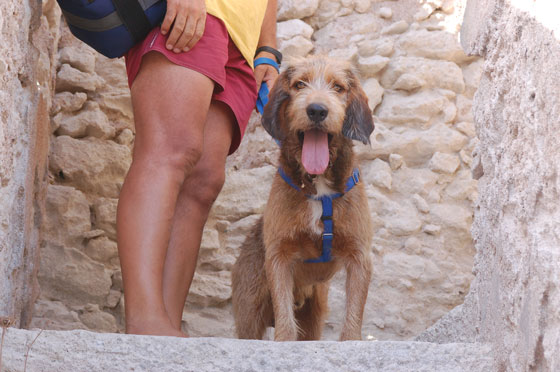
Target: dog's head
314,102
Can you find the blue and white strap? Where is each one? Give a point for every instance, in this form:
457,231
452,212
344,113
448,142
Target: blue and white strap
262,98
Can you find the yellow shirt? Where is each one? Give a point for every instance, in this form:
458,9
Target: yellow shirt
243,20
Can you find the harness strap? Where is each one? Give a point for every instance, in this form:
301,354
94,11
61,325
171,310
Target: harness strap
133,17
327,214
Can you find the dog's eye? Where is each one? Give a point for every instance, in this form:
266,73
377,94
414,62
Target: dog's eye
338,88
299,85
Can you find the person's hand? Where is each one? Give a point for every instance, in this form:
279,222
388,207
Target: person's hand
187,19
266,73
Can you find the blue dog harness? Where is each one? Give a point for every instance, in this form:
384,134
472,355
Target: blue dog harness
327,215
262,98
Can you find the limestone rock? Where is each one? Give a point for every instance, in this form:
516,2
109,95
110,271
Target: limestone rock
73,80
68,215
244,193
436,74
89,122
101,249
68,102
414,110
91,165
67,274
362,6
420,203
113,298
452,216
395,161
210,289
55,315
445,163
431,229
293,9
410,181
369,66
330,36
385,12
213,256
378,173
463,187
292,28
409,82
415,146
118,103
81,58
208,321
94,318
126,137
105,216
464,109
395,28
440,45
471,74
296,47
466,128
403,221
374,92
347,54
382,47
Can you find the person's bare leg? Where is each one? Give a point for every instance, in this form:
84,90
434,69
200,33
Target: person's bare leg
197,195
170,108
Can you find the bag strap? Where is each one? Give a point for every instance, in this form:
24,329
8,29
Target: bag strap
133,17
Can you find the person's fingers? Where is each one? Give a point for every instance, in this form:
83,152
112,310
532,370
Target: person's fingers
176,31
260,71
169,18
198,32
187,34
270,77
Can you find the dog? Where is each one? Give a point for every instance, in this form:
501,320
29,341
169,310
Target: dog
316,108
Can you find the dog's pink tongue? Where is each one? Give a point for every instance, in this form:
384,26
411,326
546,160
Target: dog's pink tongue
315,152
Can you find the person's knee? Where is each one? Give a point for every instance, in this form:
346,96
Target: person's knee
177,157
205,185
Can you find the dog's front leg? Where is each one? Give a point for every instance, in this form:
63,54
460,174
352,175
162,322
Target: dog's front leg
278,266
358,276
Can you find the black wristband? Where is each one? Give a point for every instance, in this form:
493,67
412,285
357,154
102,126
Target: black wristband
270,50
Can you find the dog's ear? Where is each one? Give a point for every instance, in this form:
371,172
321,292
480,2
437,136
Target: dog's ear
271,119
358,122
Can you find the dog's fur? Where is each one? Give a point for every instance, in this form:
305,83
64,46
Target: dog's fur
271,283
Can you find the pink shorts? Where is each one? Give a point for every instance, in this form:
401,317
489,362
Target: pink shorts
215,56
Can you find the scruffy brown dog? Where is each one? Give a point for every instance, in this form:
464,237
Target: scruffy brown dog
316,108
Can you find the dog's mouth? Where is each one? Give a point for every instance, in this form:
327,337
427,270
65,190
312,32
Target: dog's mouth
315,150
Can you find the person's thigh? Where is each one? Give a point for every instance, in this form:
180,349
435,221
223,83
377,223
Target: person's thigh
170,105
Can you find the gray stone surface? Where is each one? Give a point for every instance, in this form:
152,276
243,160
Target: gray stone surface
26,58
514,300
63,351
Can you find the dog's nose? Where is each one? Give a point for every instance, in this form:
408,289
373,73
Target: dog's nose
317,112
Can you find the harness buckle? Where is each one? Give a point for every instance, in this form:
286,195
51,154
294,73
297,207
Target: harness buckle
355,177
328,236
326,218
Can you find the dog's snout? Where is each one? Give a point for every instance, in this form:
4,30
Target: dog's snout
317,112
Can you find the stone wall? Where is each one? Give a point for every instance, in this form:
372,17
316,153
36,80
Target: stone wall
514,300
26,58
417,172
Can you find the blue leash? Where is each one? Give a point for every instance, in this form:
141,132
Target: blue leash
262,98
326,217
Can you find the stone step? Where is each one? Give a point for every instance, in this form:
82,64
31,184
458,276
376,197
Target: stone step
61,351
